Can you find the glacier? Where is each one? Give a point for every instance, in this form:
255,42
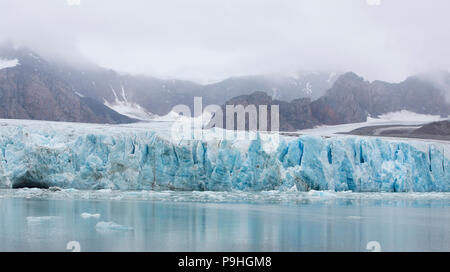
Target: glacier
142,157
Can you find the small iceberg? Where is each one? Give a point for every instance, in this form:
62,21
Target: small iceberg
90,215
33,220
111,226
322,194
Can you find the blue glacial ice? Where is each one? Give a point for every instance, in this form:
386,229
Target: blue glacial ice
141,157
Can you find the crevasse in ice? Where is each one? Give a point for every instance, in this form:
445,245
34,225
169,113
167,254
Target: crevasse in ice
44,155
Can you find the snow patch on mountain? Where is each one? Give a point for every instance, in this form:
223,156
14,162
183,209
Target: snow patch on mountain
130,109
5,63
404,118
80,95
407,116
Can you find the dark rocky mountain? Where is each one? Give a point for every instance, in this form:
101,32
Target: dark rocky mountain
352,99
441,128
159,96
30,93
293,115
54,90
436,130
287,88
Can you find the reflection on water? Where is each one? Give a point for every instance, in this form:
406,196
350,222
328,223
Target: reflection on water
344,225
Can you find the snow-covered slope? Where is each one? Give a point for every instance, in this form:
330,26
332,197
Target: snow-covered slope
130,109
141,156
4,63
404,118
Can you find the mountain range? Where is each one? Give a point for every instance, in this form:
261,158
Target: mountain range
32,87
143,96
351,99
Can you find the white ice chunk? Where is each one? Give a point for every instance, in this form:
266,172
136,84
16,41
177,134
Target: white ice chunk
111,226
34,220
90,215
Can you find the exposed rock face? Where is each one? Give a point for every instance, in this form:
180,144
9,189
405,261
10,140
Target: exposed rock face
38,89
441,128
27,93
437,131
413,94
352,99
297,114
346,102
292,115
159,96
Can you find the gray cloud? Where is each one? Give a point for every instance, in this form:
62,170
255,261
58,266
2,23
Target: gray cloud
208,40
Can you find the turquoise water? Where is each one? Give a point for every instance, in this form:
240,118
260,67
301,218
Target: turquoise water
39,220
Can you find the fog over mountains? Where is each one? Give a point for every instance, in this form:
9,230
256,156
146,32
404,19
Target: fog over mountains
351,99
207,41
324,62
158,96
32,87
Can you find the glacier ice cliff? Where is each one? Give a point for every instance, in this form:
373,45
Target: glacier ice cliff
45,154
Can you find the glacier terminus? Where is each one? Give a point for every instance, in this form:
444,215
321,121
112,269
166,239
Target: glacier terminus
142,157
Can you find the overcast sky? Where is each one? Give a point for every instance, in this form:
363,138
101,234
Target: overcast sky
207,40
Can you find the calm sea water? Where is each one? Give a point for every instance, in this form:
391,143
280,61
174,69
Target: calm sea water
185,222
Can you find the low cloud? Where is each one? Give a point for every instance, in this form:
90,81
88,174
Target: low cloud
208,40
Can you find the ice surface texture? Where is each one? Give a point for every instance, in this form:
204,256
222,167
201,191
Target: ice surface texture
45,154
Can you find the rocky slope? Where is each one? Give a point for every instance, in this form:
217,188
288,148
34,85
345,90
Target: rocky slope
441,128
53,90
293,115
28,93
352,99
159,96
